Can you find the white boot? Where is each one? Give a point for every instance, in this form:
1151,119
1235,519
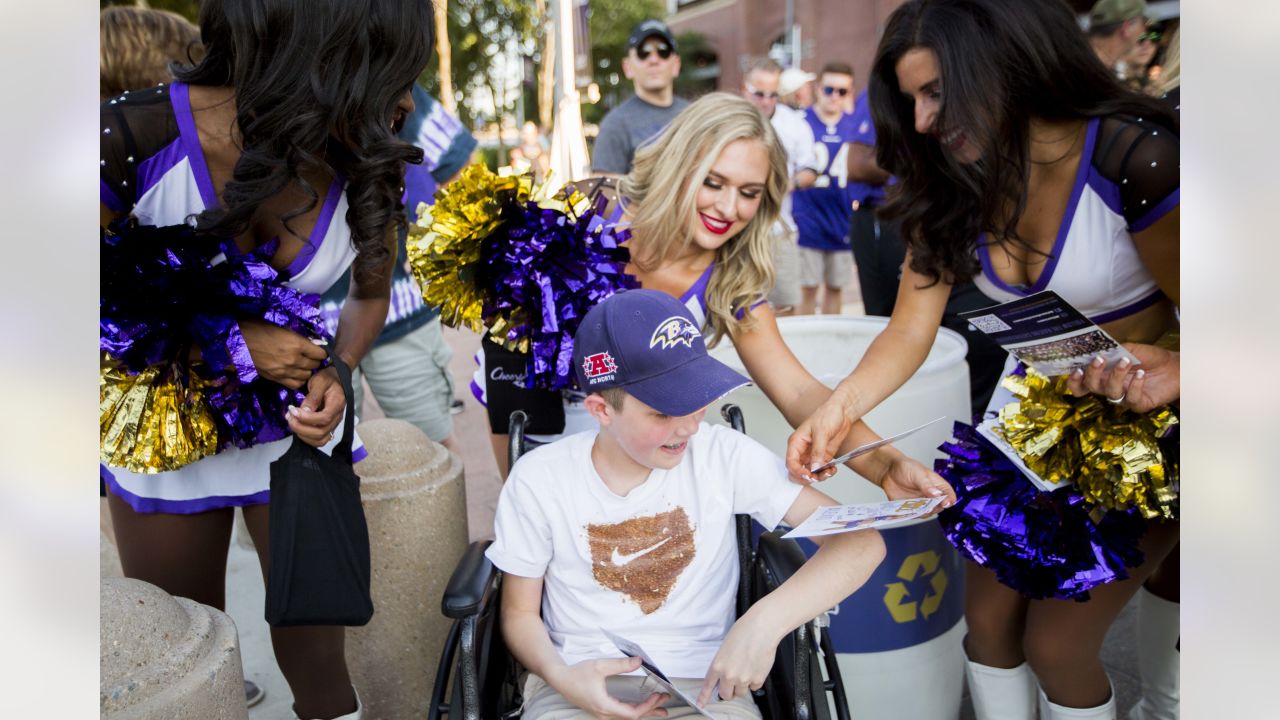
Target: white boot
1105,711
1158,658
1001,693
357,715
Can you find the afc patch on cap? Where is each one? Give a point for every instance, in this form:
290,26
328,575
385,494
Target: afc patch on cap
599,367
675,330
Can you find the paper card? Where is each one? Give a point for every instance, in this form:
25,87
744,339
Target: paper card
849,518
1046,333
864,449
650,668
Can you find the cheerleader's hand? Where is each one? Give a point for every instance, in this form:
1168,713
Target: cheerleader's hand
281,355
1142,389
812,443
321,411
906,478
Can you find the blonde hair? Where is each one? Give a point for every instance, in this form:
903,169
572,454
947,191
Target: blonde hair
1171,75
662,190
137,45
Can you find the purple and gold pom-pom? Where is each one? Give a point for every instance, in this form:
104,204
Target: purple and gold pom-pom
445,244
169,294
1042,544
493,256
546,269
152,421
1111,454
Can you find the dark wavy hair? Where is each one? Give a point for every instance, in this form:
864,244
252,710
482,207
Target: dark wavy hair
316,85
1001,62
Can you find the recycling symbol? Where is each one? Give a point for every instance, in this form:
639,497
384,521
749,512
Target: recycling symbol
914,566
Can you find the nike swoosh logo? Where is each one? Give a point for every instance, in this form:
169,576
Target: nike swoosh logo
619,559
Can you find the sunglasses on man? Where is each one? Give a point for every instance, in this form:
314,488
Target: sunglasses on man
840,92
763,95
644,51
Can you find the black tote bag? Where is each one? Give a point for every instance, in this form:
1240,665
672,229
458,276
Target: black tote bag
319,539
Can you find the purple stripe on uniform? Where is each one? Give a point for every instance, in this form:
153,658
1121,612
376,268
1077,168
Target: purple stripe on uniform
984,255
1162,208
318,233
151,170
1107,191
1082,174
185,507
1129,309
180,97
109,198
195,505
699,287
478,393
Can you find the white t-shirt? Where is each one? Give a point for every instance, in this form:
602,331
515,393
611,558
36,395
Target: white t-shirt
658,566
797,140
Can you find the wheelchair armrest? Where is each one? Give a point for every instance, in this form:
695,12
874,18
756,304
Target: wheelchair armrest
471,584
782,558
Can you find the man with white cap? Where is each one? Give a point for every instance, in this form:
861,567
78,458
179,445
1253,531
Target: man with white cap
794,89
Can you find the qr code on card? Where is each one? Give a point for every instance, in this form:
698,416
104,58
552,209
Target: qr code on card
989,324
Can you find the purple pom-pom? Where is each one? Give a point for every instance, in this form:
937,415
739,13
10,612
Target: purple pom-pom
1042,544
545,269
167,289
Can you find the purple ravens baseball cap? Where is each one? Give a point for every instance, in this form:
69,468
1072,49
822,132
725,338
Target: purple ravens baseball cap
647,343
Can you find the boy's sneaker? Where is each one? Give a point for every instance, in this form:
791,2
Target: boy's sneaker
252,693
456,407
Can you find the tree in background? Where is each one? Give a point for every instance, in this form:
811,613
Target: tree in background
698,75
486,37
444,56
189,9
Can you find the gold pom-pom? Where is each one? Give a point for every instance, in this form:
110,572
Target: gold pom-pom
1109,452
444,244
151,422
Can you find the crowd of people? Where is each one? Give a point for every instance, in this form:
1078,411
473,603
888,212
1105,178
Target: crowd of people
997,151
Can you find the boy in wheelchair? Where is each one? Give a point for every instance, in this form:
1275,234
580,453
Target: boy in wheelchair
631,529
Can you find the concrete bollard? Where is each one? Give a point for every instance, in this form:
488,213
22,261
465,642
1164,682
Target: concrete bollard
166,658
415,503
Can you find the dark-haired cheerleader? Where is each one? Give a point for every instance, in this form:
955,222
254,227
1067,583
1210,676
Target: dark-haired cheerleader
281,140
1024,166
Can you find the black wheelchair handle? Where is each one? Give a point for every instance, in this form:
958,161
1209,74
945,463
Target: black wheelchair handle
515,437
470,584
732,414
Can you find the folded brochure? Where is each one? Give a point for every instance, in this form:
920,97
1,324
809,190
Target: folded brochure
1045,332
650,668
848,518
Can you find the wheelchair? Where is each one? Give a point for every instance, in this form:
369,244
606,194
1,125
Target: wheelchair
483,680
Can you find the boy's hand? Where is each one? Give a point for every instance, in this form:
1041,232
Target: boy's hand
583,685
906,478
742,663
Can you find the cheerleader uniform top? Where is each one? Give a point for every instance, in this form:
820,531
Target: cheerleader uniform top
1129,181
153,167
576,418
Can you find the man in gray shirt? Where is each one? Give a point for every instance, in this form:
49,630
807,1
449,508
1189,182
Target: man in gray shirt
652,64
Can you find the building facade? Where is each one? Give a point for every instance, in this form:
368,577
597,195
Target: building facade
739,31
